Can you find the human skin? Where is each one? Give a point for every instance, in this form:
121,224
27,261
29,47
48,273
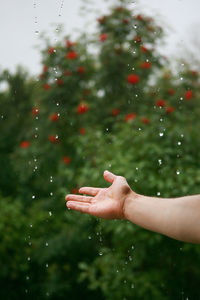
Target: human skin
178,218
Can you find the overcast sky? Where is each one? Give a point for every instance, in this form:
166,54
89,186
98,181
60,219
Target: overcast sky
21,20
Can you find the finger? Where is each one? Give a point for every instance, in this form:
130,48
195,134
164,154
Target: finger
79,206
89,190
110,177
78,198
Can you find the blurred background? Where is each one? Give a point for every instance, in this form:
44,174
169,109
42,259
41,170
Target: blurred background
87,86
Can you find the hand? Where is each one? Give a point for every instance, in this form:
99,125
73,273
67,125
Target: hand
107,203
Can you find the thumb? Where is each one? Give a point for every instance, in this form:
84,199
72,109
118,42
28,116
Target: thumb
108,176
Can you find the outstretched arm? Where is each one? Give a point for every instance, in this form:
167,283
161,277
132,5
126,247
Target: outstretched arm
178,218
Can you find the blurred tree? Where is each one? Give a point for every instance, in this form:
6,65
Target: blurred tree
120,108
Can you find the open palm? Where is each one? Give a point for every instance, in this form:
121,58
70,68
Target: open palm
107,203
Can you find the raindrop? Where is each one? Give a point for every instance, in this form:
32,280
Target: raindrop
130,258
46,244
28,258
177,172
132,286
161,134
160,161
89,237
50,213
100,253
33,197
47,265
158,193
179,143
51,194
27,277
31,225
36,32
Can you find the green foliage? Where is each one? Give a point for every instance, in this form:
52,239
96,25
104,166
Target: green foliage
118,108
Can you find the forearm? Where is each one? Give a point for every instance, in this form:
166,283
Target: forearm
178,218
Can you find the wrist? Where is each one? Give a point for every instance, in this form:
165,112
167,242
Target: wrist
129,203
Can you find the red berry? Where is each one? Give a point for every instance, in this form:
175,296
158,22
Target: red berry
71,55
66,160
130,116
51,50
54,117
188,95
138,39
145,65
161,103
144,49
170,109
82,108
53,139
82,131
35,111
103,37
25,144
133,79
81,70
59,81
46,86
69,44
145,120
45,68
115,112
171,92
